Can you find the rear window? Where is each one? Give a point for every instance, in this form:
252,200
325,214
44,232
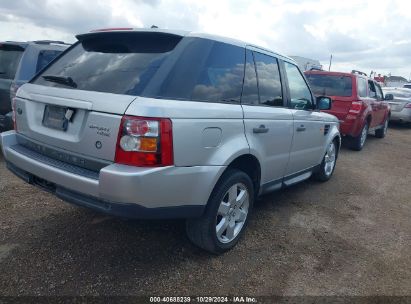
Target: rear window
330,85
9,60
153,65
45,57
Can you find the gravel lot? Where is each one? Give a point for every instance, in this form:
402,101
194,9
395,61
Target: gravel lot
349,236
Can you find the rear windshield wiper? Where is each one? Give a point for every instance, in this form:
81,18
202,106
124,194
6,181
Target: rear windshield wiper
66,80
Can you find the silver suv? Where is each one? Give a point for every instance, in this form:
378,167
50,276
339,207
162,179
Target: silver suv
166,124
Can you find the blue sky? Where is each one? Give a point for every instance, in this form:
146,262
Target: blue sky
364,35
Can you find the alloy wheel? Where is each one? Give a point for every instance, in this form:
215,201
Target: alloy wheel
232,213
385,126
330,157
364,134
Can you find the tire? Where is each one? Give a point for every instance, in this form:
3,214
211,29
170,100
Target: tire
222,211
357,143
381,132
327,166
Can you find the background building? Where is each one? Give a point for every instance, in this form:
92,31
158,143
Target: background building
395,81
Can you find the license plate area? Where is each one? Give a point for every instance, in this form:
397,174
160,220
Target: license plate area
55,117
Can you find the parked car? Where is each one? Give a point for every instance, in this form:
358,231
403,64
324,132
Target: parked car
167,124
400,102
358,103
19,62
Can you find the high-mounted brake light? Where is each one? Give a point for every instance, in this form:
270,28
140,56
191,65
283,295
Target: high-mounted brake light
145,142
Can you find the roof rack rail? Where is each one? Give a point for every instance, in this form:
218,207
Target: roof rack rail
316,69
50,41
358,72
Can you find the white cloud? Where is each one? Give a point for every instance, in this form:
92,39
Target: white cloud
368,35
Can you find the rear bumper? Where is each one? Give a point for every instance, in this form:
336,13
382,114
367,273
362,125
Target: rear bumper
403,116
165,192
350,127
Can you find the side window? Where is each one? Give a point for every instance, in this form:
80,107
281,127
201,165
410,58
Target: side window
300,94
362,87
269,82
378,91
250,89
371,89
44,59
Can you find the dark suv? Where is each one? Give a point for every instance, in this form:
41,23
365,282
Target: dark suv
19,62
358,103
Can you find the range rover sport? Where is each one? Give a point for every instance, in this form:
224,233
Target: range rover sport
168,124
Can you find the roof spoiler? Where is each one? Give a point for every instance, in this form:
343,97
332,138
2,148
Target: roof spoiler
93,33
50,42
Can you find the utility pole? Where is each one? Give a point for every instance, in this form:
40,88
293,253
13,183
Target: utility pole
331,59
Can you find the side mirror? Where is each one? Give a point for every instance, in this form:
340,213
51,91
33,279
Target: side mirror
389,97
324,103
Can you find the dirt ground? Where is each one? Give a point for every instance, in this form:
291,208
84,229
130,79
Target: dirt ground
349,236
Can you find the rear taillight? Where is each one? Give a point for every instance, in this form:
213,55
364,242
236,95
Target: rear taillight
408,106
13,107
145,142
356,107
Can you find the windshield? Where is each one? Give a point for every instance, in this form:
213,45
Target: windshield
330,85
9,60
151,65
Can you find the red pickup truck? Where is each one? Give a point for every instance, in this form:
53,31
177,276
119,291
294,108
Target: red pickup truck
358,103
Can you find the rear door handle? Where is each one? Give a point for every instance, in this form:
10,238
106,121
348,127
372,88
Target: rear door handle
260,129
300,128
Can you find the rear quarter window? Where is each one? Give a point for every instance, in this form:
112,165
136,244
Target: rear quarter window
201,70
330,85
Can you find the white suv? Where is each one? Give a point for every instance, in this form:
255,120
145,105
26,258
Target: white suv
166,124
